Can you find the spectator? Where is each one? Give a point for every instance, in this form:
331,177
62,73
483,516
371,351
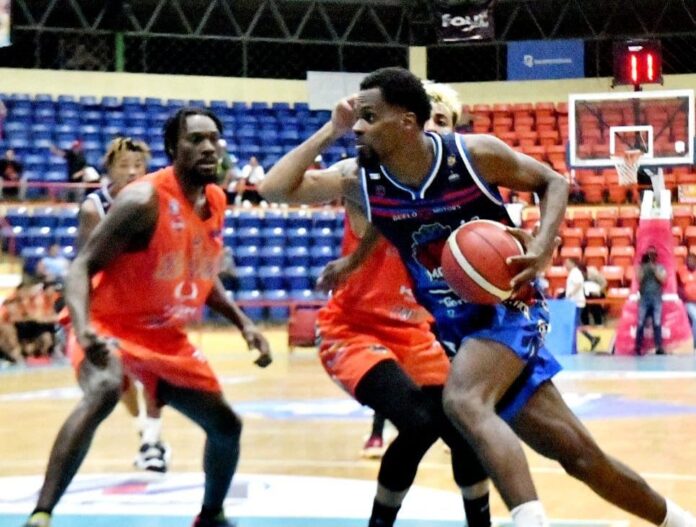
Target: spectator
687,289
11,182
514,208
78,170
252,174
595,287
651,279
575,293
229,174
54,266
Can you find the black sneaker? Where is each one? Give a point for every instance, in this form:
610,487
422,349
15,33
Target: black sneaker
153,457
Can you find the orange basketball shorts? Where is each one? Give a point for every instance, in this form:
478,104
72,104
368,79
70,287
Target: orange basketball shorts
348,351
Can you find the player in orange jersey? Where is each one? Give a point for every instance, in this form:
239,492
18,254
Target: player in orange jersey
375,341
125,161
158,253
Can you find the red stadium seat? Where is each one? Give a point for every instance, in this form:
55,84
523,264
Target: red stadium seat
621,237
617,296
572,237
629,216
582,218
677,234
690,235
596,237
607,217
571,252
556,275
680,253
682,216
530,217
596,256
622,256
614,275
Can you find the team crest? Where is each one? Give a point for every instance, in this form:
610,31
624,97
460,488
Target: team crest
451,160
427,245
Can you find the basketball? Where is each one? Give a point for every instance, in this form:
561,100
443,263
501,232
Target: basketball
474,261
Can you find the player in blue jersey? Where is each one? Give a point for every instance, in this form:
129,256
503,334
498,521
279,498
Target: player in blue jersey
126,160
416,188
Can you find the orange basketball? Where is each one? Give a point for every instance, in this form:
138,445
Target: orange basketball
474,261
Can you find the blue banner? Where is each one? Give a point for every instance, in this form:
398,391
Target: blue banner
560,340
546,59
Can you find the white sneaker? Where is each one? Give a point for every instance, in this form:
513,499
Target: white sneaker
153,457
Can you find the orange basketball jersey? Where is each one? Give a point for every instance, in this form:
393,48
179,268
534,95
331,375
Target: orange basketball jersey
165,285
379,292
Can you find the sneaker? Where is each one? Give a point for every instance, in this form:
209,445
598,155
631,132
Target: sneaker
153,457
218,521
593,343
373,448
660,351
38,519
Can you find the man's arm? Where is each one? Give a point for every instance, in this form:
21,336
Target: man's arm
130,222
289,180
220,302
499,165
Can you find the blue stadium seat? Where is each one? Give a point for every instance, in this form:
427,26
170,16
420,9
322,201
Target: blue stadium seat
301,106
272,256
18,216
271,277
110,102
66,235
323,237
274,218
254,313
315,272
40,236
152,101
68,251
301,295
321,255
277,313
67,116
230,218
92,117
229,237
89,101
245,255
158,162
67,216
44,217
273,236
298,256
31,257
298,237
299,218
239,107
247,277
297,277
247,218
249,236
324,219
219,107
66,99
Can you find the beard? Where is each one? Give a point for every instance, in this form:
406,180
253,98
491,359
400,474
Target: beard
367,156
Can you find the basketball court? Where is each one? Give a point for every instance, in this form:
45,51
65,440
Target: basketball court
300,461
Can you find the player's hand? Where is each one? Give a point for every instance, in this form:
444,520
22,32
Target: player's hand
255,340
343,115
334,274
534,260
97,348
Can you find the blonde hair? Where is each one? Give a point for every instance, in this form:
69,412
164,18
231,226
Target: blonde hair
125,144
445,95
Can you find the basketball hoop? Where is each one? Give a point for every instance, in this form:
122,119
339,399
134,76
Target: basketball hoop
627,166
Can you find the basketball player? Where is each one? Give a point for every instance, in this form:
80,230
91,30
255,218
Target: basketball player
157,251
416,188
126,159
376,343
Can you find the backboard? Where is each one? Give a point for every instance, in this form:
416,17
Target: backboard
604,125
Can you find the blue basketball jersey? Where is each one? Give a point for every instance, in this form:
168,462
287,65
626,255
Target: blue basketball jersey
418,221
102,200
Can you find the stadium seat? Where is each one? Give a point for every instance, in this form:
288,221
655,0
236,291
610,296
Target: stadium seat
229,237
570,252
614,275
273,236
677,234
255,313
247,278
621,236
277,313
247,255
682,216
622,256
530,217
680,253
297,277
249,236
18,217
617,296
629,216
300,218
596,256
581,218
606,217
596,237
556,275
572,237
271,277
272,256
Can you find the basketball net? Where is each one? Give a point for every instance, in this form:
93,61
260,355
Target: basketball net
627,166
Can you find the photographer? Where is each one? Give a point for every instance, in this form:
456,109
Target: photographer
651,279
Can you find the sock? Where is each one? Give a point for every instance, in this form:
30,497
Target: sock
676,516
152,426
478,511
530,514
377,425
382,515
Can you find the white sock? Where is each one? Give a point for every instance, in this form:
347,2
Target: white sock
530,514
152,427
676,516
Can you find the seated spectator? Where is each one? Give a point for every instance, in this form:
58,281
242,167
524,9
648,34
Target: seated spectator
11,181
595,287
229,174
34,326
514,208
252,174
54,266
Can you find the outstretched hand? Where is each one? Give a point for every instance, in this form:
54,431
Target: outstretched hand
532,262
343,115
255,340
334,274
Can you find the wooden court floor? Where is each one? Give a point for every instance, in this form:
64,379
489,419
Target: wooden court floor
641,411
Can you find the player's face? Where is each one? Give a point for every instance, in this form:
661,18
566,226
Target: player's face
378,127
197,150
127,167
440,119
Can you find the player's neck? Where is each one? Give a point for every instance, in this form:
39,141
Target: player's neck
412,162
193,191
